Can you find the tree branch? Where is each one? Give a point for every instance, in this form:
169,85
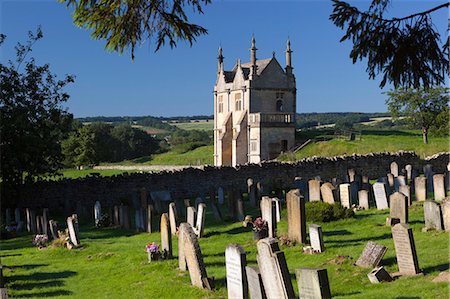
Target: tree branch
421,13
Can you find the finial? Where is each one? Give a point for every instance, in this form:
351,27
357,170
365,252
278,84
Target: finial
253,43
273,54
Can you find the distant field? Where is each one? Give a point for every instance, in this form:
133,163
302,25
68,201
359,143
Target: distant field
150,130
75,173
201,125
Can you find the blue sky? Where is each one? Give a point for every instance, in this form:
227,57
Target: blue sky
180,81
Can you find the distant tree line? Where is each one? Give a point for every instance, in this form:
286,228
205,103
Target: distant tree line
309,120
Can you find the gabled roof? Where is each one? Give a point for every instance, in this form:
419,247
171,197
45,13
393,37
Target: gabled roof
260,64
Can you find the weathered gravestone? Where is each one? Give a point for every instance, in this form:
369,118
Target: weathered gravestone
139,219
124,217
378,275
372,255
149,218
191,214
432,215
39,221
399,207
194,258
268,214
240,213
327,190
166,236
300,184
408,169
18,219
399,181
439,186
406,190
235,261
220,196
363,199
116,216
274,270
53,229
390,178
405,249
420,184
173,218
201,217
97,212
277,202
251,189
314,190
161,200
380,196
255,284
316,238
445,206
45,221
345,195
72,225
428,171
296,216
31,220
181,257
351,175
394,169
313,283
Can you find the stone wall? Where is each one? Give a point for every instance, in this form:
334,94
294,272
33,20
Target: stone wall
68,194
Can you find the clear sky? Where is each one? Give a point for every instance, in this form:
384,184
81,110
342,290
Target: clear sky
180,81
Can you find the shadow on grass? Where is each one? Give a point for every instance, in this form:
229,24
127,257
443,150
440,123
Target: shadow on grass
388,133
11,254
26,266
440,268
352,242
233,231
16,243
342,232
389,261
96,234
37,284
45,294
37,276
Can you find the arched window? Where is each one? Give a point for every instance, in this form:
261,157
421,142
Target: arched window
220,104
279,106
238,102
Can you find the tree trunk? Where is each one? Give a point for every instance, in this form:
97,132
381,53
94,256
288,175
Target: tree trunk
425,135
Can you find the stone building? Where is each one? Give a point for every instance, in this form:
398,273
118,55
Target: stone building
254,110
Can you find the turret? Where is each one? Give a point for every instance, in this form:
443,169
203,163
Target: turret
288,57
220,61
253,56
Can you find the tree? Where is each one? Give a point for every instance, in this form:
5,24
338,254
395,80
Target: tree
407,50
125,24
32,120
422,106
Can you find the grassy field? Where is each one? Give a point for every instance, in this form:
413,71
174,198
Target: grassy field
113,263
75,173
201,125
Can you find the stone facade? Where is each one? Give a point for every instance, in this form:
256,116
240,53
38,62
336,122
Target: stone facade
254,110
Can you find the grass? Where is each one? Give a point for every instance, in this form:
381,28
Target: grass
75,173
113,264
202,125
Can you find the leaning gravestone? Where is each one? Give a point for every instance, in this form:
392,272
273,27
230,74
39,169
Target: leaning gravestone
380,196
191,213
313,283
345,195
72,224
405,250
268,214
314,190
97,212
235,261
327,190
445,206
420,184
296,216
439,187
53,229
432,215
372,255
378,275
315,236
255,284
173,218
399,207
194,258
363,199
166,237
390,178
406,190
201,217
394,169
274,270
181,257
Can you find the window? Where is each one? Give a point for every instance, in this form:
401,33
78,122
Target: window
279,106
238,102
253,146
220,104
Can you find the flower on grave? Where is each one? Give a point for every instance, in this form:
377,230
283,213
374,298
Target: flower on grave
40,240
259,224
152,247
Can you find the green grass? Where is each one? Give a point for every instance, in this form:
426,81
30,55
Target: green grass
113,264
202,125
372,141
75,173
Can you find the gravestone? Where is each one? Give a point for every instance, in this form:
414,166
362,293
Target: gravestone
439,187
428,171
161,200
345,195
235,261
124,217
116,216
97,212
173,218
274,270
420,184
365,179
399,181
201,217
251,189
240,213
72,225
194,258
45,221
316,238
408,169
314,190
216,211
327,190
405,249
268,214
8,216
166,236
39,221
277,202
302,186
296,216
399,207
191,213
255,284
378,275
380,196
53,229
31,220
432,215
394,169
372,255
445,207
181,257
351,175
390,178
354,187
363,199
220,196
18,219
149,218
406,190
313,283
231,203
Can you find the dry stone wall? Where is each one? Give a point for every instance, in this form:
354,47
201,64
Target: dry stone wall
70,195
